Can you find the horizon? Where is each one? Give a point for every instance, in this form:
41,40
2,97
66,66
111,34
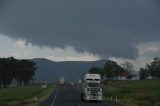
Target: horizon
81,30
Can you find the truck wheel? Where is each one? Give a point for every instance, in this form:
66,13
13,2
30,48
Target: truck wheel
82,97
99,101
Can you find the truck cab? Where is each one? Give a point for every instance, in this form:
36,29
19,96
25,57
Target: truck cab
44,85
91,87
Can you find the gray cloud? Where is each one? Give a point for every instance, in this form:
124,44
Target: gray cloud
105,27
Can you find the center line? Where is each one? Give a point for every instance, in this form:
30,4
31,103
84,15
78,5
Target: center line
54,97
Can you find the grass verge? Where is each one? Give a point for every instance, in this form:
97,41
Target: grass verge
133,93
24,96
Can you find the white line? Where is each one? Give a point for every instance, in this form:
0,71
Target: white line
54,97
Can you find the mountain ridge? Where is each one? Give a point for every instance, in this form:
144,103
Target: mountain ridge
50,71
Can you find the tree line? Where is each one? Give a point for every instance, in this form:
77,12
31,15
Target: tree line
112,70
21,71
151,70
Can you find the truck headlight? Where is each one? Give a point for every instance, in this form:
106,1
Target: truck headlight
100,90
87,96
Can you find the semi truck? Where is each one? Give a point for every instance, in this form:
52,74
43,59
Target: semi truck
44,85
61,80
91,87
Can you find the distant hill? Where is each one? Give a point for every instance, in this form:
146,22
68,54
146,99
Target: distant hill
50,71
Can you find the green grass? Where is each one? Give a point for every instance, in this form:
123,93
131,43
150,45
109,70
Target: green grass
22,96
133,93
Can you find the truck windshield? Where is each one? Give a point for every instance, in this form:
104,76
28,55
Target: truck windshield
93,84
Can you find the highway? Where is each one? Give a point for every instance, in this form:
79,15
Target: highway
66,95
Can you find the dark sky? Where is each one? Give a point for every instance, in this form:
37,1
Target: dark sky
103,27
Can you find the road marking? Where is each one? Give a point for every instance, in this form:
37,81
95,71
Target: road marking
54,97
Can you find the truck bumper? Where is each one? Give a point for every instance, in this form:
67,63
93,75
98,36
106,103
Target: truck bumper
90,98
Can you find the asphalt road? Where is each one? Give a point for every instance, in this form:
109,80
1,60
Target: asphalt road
65,95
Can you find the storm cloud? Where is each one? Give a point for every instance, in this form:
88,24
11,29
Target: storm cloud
102,27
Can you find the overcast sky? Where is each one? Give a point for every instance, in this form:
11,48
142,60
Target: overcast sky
83,30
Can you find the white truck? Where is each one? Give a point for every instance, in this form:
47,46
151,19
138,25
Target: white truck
44,85
61,80
91,87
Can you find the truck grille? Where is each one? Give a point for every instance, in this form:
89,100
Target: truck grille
94,91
